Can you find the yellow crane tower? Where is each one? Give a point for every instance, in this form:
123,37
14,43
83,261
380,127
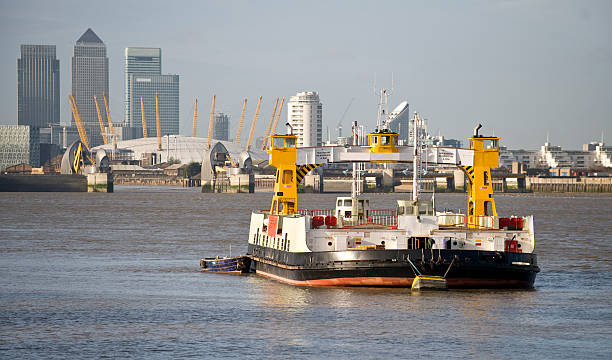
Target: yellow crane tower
195,119
157,122
210,123
273,129
79,122
248,146
108,116
144,119
267,133
237,140
102,131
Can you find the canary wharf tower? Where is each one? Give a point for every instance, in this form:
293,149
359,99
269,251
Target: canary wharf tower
89,78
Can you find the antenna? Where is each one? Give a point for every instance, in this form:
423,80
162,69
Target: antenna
383,105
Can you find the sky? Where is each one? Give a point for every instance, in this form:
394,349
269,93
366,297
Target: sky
525,69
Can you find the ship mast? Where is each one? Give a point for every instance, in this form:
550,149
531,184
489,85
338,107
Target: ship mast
357,183
416,162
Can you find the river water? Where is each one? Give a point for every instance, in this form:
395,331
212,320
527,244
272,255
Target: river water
117,275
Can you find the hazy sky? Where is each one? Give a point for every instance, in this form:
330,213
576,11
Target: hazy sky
521,68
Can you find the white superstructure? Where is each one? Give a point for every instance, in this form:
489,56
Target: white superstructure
305,115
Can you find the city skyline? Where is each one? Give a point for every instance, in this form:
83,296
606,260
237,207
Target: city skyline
522,69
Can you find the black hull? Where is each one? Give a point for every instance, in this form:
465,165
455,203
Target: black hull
470,268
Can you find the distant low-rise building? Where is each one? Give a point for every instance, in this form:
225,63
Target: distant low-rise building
555,157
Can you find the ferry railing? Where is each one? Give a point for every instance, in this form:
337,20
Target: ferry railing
316,212
386,220
382,212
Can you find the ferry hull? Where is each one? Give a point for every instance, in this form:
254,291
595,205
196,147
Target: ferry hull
390,268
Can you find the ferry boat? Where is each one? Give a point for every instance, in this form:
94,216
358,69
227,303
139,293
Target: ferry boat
353,244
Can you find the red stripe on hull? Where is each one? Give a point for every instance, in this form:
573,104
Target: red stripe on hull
352,281
401,282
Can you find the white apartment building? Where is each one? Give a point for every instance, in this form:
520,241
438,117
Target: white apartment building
552,156
305,115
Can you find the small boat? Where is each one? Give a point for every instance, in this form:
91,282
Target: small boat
232,265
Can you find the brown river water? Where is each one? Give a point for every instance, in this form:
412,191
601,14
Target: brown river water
117,276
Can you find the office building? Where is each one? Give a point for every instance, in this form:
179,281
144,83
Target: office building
221,127
143,79
167,89
305,115
139,61
38,86
89,78
19,144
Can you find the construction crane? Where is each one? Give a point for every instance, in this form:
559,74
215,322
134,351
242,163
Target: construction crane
194,132
157,123
278,113
339,126
248,146
210,123
79,122
267,133
237,140
102,131
144,119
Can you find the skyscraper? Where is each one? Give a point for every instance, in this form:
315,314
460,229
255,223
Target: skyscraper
143,79
167,89
89,78
221,127
138,61
38,86
305,115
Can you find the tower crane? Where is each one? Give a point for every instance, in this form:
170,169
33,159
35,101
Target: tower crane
248,146
265,140
237,140
339,126
102,131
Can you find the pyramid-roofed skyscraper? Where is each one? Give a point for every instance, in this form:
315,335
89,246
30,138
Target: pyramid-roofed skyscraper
89,78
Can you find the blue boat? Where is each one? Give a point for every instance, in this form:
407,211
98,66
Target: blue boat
233,265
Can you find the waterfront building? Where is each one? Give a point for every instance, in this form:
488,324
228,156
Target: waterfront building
305,115
399,121
221,127
139,61
38,86
167,89
89,79
554,157
19,144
